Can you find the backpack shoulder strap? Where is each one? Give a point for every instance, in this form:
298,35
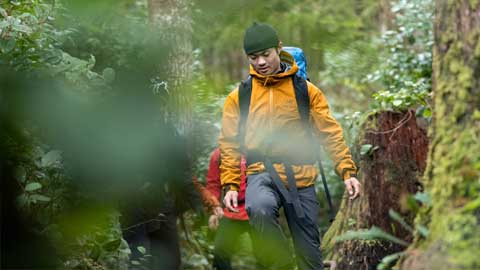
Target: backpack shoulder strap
303,100
244,96
303,103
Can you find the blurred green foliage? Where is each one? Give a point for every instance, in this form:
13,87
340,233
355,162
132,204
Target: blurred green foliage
76,130
336,37
102,73
28,38
406,68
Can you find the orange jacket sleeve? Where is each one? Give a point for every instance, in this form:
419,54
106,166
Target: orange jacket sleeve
330,133
230,172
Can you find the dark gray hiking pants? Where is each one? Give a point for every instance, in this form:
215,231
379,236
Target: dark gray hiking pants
271,247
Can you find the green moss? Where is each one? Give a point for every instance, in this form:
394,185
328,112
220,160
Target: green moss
453,178
476,114
455,150
460,234
474,4
477,51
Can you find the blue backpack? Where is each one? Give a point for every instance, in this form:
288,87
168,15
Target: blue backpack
300,59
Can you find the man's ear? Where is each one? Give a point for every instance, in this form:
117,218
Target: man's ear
280,46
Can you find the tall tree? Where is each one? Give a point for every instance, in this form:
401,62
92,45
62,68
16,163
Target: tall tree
172,21
385,16
453,171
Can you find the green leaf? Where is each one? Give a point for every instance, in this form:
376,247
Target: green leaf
20,174
100,237
422,230
51,158
412,204
3,12
365,149
33,186
91,62
112,245
472,206
21,28
53,56
397,217
351,222
423,198
427,113
108,75
4,24
40,197
197,261
397,102
22,200
7,45
372,233
142,250
387,261
134,262
95,252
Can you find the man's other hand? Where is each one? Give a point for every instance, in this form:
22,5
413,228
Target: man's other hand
353,187
213,222
218,211
214,219
231,201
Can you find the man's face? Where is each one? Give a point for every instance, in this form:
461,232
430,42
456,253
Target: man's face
266,62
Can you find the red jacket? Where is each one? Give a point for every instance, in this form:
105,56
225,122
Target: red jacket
215,187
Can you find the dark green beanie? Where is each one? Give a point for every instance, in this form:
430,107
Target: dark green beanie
259,37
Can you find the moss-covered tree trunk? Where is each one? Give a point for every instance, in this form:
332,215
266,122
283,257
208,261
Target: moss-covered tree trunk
453,172
389,172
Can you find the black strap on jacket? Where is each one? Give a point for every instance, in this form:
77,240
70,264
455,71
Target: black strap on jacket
303,105
244,97
291,197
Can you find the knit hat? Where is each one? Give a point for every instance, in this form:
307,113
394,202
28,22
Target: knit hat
259,37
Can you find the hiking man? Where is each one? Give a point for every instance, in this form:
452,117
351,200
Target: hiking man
281,150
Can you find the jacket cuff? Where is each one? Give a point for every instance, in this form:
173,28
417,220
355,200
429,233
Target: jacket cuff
230,187
349,173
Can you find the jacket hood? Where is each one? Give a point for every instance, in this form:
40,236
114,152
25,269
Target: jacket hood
289,68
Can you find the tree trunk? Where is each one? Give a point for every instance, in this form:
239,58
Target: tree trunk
386,17
453,172
389,173
172,21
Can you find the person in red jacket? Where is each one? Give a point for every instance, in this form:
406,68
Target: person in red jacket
232,224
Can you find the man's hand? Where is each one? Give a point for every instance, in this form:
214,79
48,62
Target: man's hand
214,219
230,201
353,187
217,211
213,222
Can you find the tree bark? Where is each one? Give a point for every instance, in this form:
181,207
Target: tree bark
171,20
386,17
389,174
453,172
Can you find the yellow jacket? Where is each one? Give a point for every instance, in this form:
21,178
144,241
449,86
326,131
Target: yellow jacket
274,128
